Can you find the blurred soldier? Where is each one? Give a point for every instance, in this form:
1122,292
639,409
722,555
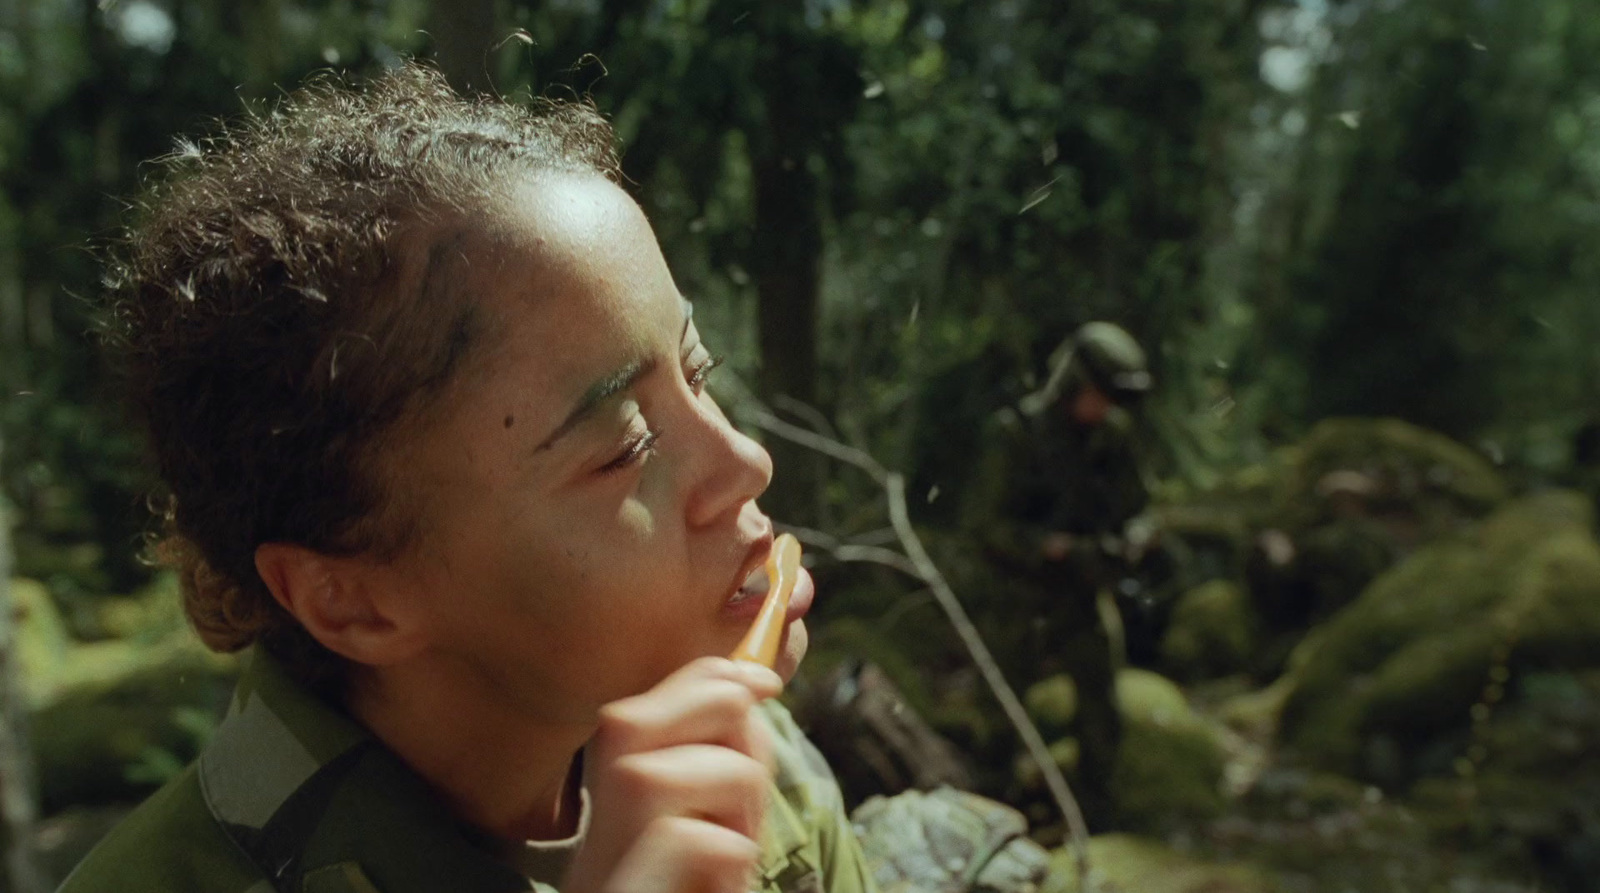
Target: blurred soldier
1084,479
1063,484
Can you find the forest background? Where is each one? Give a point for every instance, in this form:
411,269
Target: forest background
889,213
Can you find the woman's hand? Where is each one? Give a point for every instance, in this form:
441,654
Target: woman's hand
678,784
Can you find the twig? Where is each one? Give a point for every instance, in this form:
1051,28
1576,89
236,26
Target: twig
826,446
877,555
853,551
922,567
812,415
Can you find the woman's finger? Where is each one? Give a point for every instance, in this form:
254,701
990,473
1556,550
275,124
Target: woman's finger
676,854
709,702
697,780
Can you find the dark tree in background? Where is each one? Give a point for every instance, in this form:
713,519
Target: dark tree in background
464,34
702,89
757,98
1439,263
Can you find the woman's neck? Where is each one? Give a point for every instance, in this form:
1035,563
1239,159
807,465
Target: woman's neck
497,768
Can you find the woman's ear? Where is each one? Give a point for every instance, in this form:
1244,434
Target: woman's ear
345,603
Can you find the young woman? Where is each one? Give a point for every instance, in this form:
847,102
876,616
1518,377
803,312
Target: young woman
433,419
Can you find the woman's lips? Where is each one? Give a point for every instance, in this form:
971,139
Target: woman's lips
805,591
745,603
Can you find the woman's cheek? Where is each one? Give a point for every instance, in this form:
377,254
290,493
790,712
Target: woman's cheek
637,517
793,650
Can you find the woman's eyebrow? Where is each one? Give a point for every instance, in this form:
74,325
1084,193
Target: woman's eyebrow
597,394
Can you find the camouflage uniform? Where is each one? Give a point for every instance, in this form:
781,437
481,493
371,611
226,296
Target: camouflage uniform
1052,473
292,795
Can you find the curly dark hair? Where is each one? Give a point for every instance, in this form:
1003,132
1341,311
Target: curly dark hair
274,328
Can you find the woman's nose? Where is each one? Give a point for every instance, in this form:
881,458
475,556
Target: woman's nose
731,469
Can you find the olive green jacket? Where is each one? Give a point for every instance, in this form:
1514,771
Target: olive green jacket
292,795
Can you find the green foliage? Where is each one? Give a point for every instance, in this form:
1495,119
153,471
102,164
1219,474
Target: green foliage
122,739
1448,240
855,639
89,92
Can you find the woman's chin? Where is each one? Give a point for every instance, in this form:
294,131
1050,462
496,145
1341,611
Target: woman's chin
791,650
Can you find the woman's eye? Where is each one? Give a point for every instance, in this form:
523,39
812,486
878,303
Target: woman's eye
636,450
698,374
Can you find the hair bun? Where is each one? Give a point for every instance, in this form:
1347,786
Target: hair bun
227,616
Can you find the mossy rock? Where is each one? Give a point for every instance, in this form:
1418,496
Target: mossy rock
1170,764
1334,562
1052,703
1530,777
149,625
1212,632
1409,466
42,639
1143,696
113,719
1130,864
119,740
1401,667
151,614
1256,713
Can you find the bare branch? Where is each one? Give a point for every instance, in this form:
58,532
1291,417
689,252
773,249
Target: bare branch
917,563
878,555
849,455
851,551
1031,739
812,415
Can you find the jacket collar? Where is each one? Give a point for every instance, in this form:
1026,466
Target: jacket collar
308,793
318,803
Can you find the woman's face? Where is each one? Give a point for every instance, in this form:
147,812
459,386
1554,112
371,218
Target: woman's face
586,513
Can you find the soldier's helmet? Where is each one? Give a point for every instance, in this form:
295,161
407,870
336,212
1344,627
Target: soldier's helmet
1112,360
1100,353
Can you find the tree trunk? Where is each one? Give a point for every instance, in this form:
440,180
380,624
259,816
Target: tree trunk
16,767
786,256
463,35
786,253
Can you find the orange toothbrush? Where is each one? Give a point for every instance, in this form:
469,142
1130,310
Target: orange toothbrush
760,644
